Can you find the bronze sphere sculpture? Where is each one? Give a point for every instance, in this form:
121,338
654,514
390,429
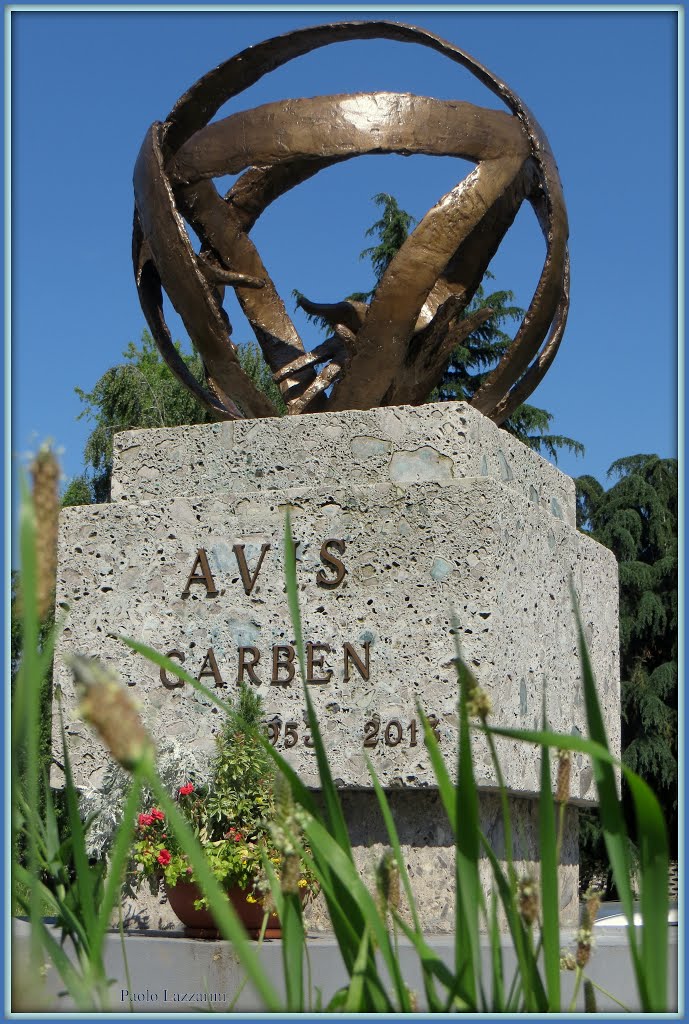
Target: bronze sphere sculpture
393,350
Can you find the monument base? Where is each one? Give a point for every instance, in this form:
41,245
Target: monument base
413,524
429,853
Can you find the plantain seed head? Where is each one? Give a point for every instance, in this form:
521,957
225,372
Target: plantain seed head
45,475
106,705
564,773
528,900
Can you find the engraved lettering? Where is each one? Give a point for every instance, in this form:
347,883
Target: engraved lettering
164,677
371,729
434,723
210,668
274,730
364,670
248,666
205,577
283,658
248,579
393,732
312,663
327,558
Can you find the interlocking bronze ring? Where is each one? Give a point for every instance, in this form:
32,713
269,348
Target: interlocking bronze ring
393,350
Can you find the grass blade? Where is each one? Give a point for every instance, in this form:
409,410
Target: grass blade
611,816
527,975
445,785
432,963
118,859
336,819
175,668
293,940
289,910
550,902
467,952
28,731
654,845
497,967
394,843
344,914
51,833
651,966
434,1004
321,840
79,988
59,908
653,873
355,992
81,865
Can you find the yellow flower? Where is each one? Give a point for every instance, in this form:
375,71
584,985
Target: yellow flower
251,899
302,883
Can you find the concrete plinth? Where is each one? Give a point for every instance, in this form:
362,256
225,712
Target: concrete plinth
406,519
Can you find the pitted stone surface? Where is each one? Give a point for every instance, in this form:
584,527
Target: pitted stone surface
440,442
416,554
440,518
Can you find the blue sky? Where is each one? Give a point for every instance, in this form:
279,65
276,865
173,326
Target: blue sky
86,86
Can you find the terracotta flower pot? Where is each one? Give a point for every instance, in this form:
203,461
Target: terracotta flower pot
201,923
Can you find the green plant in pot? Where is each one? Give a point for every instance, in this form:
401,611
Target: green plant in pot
236,816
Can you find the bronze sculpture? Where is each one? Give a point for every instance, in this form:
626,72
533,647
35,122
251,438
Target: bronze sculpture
393,350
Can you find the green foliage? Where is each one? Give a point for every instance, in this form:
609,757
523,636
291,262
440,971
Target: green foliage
142,392
44,643
79,491
234,855
471,362
242,773
255,367
637,518
391,230
531,426
54,869
234,817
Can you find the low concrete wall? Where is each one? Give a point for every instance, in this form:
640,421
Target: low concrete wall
172,974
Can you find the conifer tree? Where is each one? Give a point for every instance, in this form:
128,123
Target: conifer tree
637,519
478,354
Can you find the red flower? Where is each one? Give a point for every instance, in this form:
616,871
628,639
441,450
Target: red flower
186,790
145,819
237,837
164,857
158,815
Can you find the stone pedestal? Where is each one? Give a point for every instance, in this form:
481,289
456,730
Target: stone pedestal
407,519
